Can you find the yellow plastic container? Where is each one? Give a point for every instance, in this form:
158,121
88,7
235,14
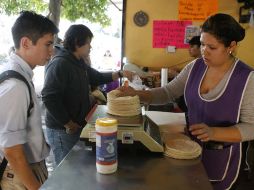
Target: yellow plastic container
106,145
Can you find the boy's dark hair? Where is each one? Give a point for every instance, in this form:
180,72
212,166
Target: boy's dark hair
195,40
145,69
224,28
76,35
31,25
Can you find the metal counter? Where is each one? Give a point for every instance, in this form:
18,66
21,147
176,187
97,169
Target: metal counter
136,171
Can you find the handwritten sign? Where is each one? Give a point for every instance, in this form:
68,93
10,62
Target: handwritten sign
169,33
196,10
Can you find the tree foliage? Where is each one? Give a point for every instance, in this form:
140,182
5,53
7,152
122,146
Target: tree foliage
92,10
10,7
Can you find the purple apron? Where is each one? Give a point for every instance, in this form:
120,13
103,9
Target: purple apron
222,164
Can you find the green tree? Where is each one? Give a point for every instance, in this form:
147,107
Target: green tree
92,10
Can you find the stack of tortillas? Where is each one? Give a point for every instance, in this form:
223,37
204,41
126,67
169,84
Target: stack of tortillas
182,148
122,106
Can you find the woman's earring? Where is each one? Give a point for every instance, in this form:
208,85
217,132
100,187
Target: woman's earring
230,53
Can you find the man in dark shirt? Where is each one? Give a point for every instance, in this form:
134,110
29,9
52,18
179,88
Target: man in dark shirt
66,90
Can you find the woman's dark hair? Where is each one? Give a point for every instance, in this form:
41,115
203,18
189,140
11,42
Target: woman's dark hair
224,28
76,35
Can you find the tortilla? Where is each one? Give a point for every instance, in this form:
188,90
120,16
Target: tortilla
122,106
182,148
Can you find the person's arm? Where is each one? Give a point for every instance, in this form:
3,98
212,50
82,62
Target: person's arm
53,92
97,78
119,74
246,125
145,96
55,86
161,95
17,160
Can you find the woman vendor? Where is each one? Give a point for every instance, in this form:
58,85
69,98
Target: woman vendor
218,90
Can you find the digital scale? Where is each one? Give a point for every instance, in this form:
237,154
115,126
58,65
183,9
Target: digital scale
131,130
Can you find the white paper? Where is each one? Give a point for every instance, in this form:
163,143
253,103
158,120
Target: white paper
166,118
136,83
164,76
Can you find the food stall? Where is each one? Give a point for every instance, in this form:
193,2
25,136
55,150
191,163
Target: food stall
141,163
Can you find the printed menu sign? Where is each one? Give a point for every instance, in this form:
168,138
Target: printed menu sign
196,10
191,31
169,33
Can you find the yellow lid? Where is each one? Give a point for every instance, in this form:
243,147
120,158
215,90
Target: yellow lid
105,121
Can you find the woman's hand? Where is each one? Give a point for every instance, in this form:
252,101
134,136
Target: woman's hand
126,91
202,131
128,74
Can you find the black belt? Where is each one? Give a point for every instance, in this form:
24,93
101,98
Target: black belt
212,145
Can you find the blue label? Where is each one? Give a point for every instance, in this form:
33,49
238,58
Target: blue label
106,148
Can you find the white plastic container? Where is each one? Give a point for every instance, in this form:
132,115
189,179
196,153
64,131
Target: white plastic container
106,145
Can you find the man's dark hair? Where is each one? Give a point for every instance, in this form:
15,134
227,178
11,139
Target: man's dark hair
195,40
33,26
76,35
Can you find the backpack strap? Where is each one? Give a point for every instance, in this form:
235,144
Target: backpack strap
2,167
14,74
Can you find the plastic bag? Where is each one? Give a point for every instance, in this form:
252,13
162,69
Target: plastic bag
136,83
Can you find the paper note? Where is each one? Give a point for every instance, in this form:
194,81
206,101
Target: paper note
169,33
196,10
